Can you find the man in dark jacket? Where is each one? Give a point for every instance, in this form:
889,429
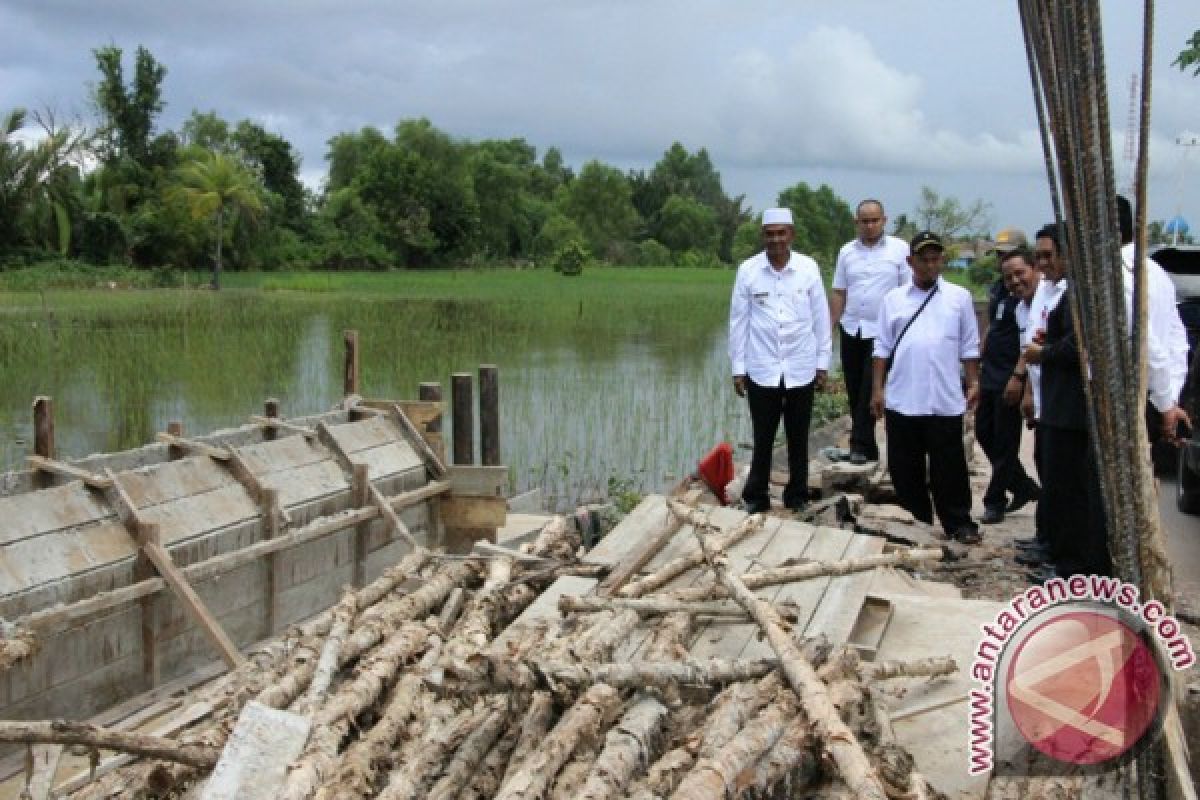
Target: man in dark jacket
1071,501
998,425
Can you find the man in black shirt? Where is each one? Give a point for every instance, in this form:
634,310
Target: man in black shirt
998,425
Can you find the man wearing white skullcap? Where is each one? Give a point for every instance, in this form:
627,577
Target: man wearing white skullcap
779,345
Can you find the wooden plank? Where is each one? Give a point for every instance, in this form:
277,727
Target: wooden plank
45,759
362,435
826,544
60,616
200,514
192,602
193,446
472,480
633,562
723,518
282,455
174,480
459,511
390,459
648,516
843,599
66,470
33,514
718,638
273,423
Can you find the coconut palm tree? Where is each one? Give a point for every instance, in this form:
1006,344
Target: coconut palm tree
218,186
37,182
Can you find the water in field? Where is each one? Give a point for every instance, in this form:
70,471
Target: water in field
602,378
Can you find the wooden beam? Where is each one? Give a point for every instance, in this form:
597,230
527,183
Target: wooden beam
350,368
90,479
147,537
394,523
273,509
272,423
432,461
192,603
193,446
481,481
360,488
45,759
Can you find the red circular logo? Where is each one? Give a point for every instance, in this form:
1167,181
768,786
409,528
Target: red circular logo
1083,687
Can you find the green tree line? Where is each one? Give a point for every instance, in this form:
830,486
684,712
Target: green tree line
220,195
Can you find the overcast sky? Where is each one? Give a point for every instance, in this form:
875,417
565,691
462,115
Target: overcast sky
874,98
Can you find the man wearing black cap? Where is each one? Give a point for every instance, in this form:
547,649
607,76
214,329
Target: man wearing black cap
997,424
927,336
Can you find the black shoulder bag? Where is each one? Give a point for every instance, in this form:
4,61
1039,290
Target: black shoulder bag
908,325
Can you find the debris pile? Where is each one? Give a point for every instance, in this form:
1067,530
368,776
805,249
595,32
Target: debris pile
429,683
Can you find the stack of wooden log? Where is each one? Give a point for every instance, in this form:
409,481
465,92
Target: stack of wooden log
418,686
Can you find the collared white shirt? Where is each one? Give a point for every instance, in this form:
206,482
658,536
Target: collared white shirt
867,273
926,376
1166,338
1045,299
779,322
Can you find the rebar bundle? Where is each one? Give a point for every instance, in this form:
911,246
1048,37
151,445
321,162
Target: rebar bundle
1064,46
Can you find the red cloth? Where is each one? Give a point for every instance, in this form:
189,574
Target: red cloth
716,470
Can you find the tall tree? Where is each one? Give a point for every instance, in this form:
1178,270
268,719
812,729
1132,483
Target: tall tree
128,112
824,221
39,184
278,165
217,186
599,202
948,217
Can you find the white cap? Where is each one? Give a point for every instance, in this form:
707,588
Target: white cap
777,216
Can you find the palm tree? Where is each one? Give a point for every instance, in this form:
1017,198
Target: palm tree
37,181
219,186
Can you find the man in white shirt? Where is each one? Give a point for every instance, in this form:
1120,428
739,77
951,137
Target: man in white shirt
779,347
867,268
1166,338
927,330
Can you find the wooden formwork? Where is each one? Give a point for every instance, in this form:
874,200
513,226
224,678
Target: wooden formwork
128,570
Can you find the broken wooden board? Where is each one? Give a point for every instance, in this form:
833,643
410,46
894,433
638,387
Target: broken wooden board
255,761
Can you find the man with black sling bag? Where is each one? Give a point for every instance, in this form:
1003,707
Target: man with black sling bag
926,330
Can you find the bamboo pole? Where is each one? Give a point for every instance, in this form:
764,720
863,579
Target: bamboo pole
80,733
533,779
676,567
855,768
803,572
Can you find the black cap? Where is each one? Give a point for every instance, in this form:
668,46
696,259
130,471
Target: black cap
925,239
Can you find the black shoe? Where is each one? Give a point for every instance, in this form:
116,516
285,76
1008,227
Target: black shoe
991,516
797,507
966,535
1028,541
1031,559
1043,574
858,459
1031,493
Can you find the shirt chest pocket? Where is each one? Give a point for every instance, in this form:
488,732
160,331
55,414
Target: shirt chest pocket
798,305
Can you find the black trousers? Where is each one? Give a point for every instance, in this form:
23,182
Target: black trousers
856,371
767,405
1073,507
1039,514
998,428
911,442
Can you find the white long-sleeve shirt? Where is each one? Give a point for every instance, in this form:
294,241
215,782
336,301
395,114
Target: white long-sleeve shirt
926,374
1045,300
1166,338
866,273
779,322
